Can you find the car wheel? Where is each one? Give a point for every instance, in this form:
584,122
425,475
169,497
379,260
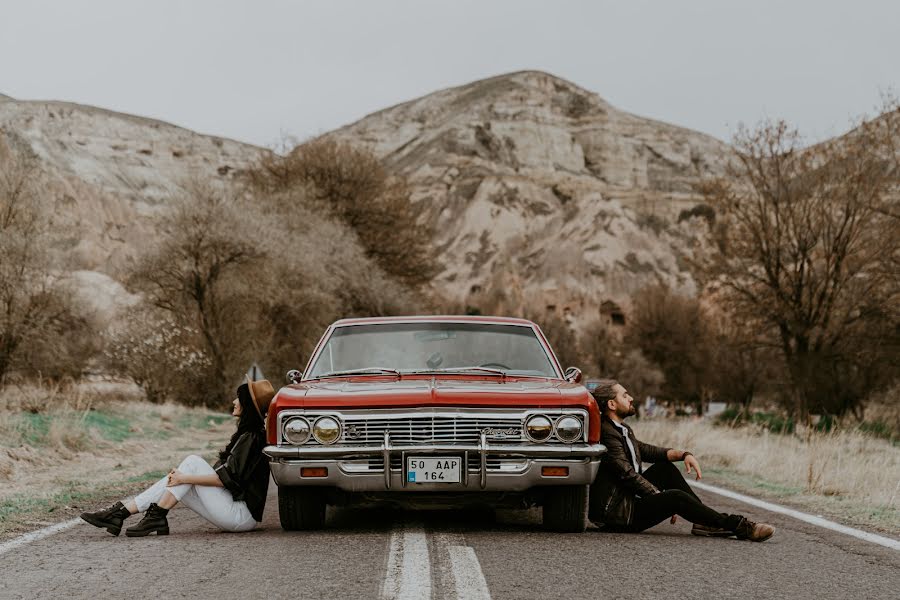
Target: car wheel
565,508
301,508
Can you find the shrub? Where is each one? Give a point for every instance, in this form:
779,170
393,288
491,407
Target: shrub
160,356
352,184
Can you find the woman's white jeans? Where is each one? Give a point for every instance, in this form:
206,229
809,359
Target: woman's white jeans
214,504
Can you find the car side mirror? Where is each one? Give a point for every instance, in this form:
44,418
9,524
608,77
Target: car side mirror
293,376
573,375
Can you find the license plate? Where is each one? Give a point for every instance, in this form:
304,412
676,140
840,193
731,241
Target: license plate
433,470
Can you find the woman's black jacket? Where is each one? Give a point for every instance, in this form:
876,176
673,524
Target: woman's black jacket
245,472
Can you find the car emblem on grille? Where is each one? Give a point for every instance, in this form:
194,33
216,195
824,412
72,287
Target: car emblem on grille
352,433
502,434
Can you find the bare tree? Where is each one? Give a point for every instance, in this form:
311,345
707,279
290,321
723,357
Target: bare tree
806,248
607,355
740,367
672,331
244,278
42,328
202,272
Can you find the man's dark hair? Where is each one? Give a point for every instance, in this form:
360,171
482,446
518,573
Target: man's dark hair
603,392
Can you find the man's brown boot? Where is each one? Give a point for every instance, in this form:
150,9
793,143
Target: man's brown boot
704,531
755,532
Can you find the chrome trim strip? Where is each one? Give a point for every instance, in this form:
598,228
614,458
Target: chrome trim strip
386,456
466,468
482,448
567,451
403,474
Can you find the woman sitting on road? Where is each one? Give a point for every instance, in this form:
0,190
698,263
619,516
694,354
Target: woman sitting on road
231,495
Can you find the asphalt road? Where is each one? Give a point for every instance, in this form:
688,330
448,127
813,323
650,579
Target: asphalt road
383,554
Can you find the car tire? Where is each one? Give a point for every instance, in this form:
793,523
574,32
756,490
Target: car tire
565,508
301,508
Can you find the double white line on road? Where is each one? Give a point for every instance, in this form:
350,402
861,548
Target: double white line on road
410,566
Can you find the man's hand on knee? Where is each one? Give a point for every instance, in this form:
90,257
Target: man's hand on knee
690,463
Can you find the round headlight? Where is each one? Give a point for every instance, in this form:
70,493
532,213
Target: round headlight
326,430
568,428
538,428
296,430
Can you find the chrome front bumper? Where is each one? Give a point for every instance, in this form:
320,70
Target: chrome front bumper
344,470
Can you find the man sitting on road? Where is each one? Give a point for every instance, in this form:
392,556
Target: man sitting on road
626,498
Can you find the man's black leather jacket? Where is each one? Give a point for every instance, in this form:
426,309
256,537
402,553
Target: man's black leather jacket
617,483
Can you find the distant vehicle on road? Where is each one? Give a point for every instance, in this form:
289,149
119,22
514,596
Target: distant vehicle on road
434,412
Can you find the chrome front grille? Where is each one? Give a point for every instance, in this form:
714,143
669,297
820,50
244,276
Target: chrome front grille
424,426
431,428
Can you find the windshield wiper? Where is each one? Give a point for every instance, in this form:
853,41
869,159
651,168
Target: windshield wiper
366,371
500,372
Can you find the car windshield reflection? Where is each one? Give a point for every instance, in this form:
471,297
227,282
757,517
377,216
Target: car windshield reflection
400,348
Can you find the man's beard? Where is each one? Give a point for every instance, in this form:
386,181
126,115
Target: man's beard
628,413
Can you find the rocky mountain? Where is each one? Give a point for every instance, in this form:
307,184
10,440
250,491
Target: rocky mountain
108,176
545,193
111,173
538,190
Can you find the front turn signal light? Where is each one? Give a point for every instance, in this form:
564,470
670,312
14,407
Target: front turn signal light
314,472
555,471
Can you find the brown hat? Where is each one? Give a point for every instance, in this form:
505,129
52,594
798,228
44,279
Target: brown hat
262,393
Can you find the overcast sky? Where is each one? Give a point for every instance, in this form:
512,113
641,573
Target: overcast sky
256,71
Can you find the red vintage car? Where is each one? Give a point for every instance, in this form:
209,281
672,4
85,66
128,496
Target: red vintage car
434,412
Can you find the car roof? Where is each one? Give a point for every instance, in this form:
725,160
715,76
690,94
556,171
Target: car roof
434,319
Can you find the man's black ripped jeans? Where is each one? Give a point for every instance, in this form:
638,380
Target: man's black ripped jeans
675,498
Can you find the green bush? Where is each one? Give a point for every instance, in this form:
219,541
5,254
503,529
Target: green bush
732,415
879,428
774,422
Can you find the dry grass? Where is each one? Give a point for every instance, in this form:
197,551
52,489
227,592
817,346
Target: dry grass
846,473
63,447
56,417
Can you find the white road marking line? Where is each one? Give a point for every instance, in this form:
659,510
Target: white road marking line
36,535
409,568
470,582
825,523
458,569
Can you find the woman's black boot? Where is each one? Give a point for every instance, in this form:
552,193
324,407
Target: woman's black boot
111,518
154,521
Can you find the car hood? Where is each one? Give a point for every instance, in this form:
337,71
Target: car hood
432,391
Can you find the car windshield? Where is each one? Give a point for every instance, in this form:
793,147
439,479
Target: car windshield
433,347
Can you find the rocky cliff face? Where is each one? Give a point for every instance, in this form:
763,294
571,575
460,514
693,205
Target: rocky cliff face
542,191
109,174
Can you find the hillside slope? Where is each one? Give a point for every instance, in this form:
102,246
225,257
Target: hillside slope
543,191
538,190
110,173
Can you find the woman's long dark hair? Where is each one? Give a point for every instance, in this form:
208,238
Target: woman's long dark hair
248,421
